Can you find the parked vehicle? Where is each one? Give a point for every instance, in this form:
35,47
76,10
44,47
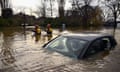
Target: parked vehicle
81,45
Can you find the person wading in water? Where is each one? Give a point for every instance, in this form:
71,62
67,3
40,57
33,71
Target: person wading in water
37,30
49,31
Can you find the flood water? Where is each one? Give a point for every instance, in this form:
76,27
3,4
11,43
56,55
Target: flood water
21,51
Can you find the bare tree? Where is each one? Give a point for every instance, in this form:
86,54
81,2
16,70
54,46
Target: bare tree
5,8
77,4
87,14
41,12
84,9
4,4
51,3
114,6
61,4
87,2
51,7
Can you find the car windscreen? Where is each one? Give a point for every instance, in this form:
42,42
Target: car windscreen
67,45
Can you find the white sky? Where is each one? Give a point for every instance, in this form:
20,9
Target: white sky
28,5
31,5
25,3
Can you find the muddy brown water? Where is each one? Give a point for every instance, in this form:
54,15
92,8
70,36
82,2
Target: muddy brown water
21,51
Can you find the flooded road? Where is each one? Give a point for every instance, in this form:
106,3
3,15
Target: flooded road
21,51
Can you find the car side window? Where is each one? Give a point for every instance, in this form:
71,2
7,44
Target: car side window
75,44
93,48
98,45
105,43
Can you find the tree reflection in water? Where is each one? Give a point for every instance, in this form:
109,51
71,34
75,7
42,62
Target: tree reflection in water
6,52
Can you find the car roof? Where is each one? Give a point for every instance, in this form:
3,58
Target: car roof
86,36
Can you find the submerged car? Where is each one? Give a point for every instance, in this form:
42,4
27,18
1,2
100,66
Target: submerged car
81,45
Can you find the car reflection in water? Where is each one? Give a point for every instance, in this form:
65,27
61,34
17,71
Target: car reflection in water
81,45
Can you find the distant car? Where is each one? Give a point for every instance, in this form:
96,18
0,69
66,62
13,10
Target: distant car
81,45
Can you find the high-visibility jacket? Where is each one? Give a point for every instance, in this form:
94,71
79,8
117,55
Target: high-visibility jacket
49,31
38,31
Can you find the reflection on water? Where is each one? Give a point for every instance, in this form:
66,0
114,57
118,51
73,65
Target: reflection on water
6,51
20,51
7,56
106,53
1,40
